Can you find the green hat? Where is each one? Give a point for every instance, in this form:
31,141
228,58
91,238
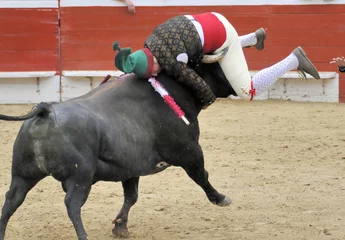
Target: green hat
140,62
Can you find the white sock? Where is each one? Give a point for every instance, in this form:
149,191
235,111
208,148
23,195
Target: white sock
266,77
248,40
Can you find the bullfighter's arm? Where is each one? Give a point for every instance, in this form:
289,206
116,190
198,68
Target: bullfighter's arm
191,79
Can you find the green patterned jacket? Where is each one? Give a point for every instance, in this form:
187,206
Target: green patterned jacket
173,37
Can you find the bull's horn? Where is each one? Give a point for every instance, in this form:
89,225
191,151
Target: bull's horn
216,57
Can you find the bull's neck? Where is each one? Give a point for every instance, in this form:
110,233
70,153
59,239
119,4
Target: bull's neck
182,96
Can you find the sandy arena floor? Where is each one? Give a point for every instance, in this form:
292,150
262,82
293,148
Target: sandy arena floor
282,163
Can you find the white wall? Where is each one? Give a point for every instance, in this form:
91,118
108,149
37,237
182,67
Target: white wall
29,4
29,90
76,83
291,87
69,3
76,86
35,87
324,90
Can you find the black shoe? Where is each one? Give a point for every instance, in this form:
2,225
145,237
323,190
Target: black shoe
304,64
260,39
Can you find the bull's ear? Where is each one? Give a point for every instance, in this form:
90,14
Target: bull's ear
216,57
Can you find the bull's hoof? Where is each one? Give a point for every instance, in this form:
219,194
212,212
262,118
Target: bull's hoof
225,202
121,232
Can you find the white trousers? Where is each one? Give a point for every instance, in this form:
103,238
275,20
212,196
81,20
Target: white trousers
234,64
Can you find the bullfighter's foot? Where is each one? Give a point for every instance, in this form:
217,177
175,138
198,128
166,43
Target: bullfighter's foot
260,38
225,202
304,64
120,230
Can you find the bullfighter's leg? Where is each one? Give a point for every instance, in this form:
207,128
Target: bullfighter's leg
236,71
77,190
193,164
130,191
296,60
14,198
256,39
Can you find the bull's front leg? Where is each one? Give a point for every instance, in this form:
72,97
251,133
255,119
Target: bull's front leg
130,191
193,164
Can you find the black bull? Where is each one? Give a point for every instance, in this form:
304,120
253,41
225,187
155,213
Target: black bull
119,131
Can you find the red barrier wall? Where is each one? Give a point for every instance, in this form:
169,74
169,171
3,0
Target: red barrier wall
87,33
30,36
29,39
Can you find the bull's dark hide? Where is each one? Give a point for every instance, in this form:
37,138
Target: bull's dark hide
117,132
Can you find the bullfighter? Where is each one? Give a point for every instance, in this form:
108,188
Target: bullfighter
186,38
